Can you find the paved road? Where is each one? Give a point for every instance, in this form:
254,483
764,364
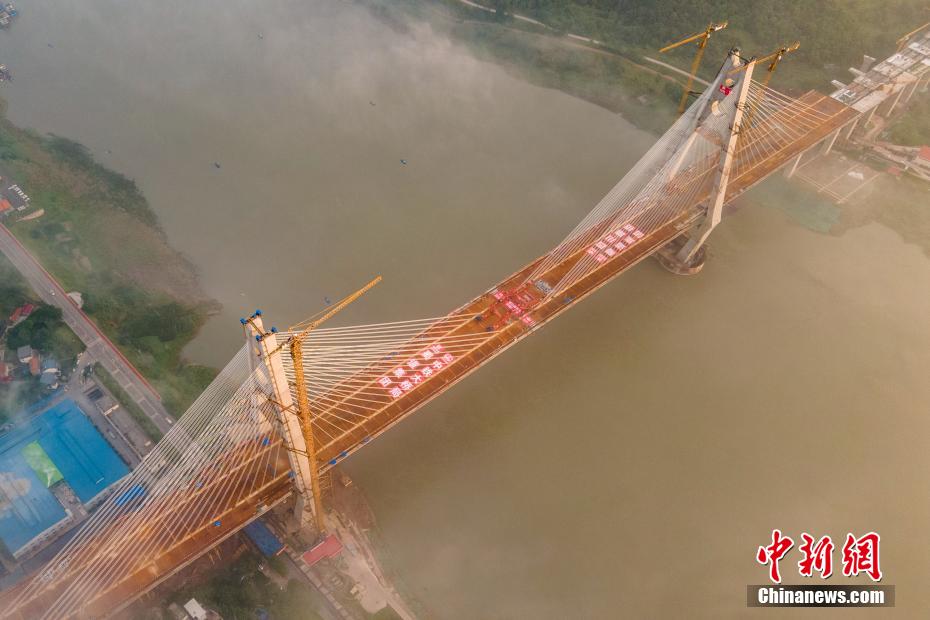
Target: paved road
676,70
98,345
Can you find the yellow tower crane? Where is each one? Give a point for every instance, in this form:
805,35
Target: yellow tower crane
903,40
701,39
775,58
295,343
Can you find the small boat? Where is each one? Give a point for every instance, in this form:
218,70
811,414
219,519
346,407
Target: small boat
403,161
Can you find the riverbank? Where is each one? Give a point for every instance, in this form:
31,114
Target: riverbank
640,27
98,235
366,559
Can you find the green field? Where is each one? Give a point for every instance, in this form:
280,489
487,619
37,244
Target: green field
43,466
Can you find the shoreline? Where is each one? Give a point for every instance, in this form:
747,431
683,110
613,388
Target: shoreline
92,231
357,523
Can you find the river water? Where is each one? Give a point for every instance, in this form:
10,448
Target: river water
627,460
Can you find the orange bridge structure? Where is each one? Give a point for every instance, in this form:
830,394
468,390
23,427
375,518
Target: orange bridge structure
291,405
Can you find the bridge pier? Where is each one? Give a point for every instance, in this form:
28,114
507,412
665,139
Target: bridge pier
852,127
914,88
829,142
668,257
790,170
894,102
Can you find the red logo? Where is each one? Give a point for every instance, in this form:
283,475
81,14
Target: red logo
817,556
860,555
772,554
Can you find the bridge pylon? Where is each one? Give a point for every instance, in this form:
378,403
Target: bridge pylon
267,348
293,409
686,254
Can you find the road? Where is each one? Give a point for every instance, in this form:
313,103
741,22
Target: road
676,70
98,345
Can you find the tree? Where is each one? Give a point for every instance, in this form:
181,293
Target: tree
502,9
46,332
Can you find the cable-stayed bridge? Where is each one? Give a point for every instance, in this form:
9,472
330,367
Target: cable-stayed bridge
290,405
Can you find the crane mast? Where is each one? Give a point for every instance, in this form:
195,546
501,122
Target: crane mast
701,38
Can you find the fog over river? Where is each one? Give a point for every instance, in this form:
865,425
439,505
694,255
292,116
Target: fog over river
628,459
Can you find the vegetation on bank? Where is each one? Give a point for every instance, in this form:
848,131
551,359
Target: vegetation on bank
13,289
46,332
99,236
833,33
913,127
240,590
113,188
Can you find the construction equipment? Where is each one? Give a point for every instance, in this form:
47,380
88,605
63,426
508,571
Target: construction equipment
775,58
701,39
295,343
903,40
303,397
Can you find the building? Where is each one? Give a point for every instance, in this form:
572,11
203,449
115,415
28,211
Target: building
50,365
17,198
35,364
195,610
21,314
50,373
49,380
5,372
24,353
40,450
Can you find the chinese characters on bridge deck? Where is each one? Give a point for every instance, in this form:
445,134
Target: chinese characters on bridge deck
614,242
860,555
416,370
516,304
